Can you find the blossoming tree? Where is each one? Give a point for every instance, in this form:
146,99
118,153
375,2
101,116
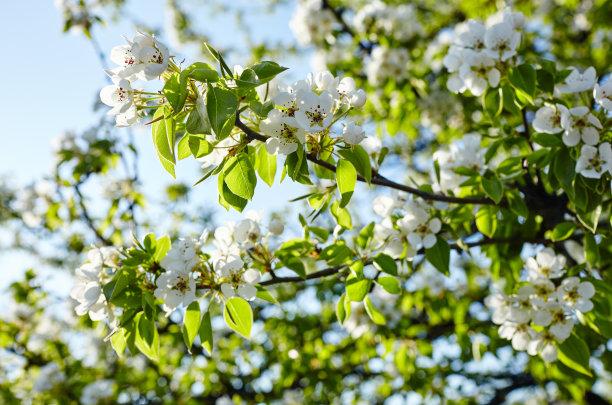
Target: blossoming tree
451,241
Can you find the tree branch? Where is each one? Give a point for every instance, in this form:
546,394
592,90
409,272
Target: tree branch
337,269
87,218
377,178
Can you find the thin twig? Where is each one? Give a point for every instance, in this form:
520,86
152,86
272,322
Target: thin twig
377,178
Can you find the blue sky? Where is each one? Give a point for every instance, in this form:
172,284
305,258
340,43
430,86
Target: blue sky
51,81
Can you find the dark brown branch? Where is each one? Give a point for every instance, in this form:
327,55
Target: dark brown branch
377,178
337,269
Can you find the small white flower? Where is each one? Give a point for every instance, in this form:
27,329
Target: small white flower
353,134
383,205
358,99
519,333
501,41
603,94
372,145
276,227
175,289
576,294
543,343
314,111
500,304
144,58
594,162
480,71
119,95
579,124
421,230
247,232
241,283
576,82
285,134
472,35
548,119
546,264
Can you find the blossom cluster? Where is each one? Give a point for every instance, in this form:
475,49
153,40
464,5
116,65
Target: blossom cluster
145,58
377,18
310,106
580,126
479,53
465,152
91,278
311,22
188,272
543,310
407,226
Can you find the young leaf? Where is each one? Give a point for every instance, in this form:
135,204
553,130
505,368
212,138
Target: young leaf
239,316
340,311
175,91
486,220
226,195
183,148
390,284
147,337
360,159
439,255
205,333
191,323
373,313
221,107
346,177
574,353
492,101
385,263
266,165
266,70
356,289
562,231
240,176
118,341
199,146
523,78
163,138
494,188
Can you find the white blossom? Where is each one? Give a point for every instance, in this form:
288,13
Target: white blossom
603,94
144,58
353,134
576,82
501,41
479,72
576,294
314,112
579,124
548,119
546,264
285,134
594,162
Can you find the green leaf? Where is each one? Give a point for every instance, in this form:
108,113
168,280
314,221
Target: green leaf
591,249
147,337
240,176
366,235
563,167
197,120
238,316
373,313
390,284
590,219
356,289
562,231
439,255
486,220
265,295
199,146
346,177
545,80
296,264
523,79
267,70
175,91
205,333
360,160
118,341
163,138
508,100
341,311
548,140
183,148
221,107
494,188
266,165
226,195
385,263
492,101
191,323
517,204
341,215
204,75
248,79
575,354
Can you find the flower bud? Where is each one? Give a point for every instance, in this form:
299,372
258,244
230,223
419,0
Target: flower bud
276,227
353,134
358,98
